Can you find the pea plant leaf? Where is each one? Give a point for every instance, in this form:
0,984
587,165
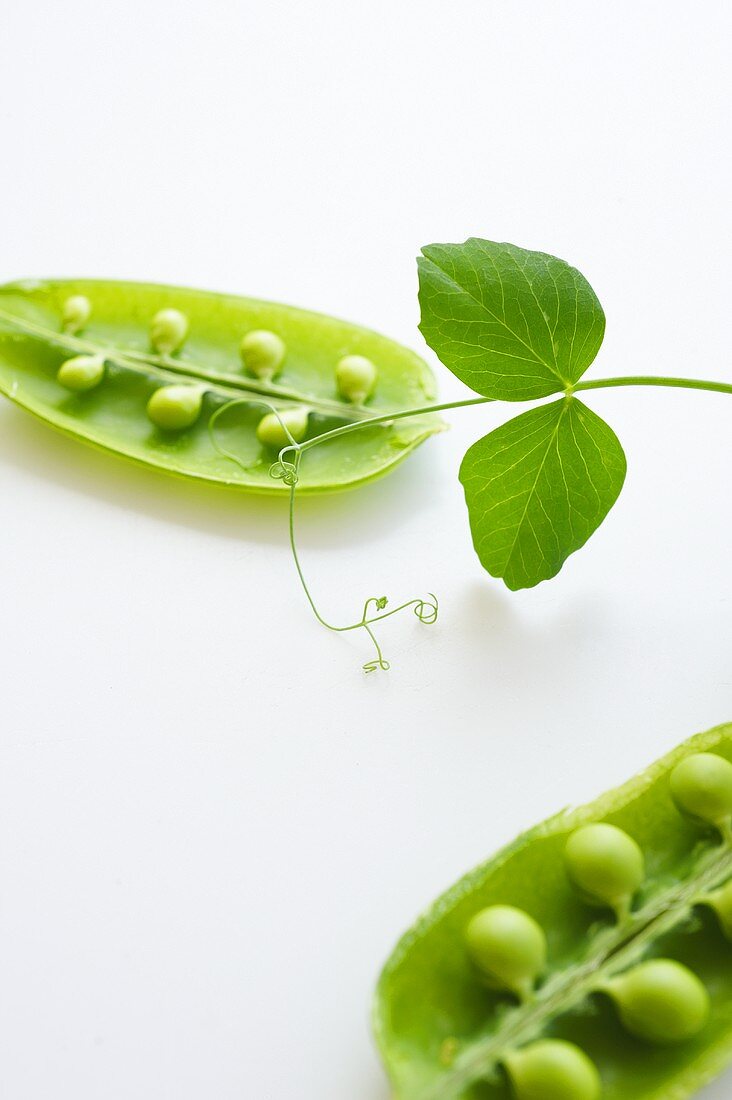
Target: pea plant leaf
512,324
537,487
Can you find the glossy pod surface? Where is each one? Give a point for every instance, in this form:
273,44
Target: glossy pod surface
155,336
641,991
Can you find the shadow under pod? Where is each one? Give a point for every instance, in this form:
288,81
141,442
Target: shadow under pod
348,518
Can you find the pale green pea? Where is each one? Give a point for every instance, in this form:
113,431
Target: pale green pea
508,947
701,786
606,865
175,407
552,1069
168,330
262,353
661,1001
75,313
271,433
81,373
449,1050
721,902
355,378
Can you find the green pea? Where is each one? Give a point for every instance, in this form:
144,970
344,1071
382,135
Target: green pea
552,1069
168,330
75,313
81,373
721,902
606,865
449,1050
508,947
271,433
701,786
660,1001
355,378
263,353
175,407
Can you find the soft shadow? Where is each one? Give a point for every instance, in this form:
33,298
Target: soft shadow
383,1093
486,605
500,627
348,518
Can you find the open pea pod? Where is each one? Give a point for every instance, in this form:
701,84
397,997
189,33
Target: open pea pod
573,971
128,355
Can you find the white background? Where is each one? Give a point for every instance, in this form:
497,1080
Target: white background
213,826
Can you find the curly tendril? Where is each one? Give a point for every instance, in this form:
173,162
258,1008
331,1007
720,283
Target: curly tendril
286,469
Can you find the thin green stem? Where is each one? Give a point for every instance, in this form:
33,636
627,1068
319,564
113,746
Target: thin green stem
653,380
596,384
388,418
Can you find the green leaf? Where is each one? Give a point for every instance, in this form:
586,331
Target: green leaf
512,324
537,487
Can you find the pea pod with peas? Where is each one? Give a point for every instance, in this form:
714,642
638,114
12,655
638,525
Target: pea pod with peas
591,958
210,386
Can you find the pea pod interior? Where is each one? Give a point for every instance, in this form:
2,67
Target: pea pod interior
112,415
442,1031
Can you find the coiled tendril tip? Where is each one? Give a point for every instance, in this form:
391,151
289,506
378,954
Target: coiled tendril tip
284,471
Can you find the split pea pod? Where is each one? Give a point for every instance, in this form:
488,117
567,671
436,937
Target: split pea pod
589,960
202,385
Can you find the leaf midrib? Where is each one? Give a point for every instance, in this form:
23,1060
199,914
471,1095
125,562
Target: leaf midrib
566,405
